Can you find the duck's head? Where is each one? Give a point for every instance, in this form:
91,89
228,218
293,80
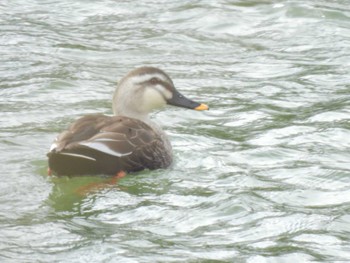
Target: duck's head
145,89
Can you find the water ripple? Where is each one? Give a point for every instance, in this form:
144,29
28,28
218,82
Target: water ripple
262,177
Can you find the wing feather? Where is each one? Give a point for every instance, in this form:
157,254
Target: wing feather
115,143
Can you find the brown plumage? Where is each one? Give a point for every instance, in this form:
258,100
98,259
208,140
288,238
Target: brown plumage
129,141
134,146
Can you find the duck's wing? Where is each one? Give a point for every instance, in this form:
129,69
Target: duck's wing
82,129
97,144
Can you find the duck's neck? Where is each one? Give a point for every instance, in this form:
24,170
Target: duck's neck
144,117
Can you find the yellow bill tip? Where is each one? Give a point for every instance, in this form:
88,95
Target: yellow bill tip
202,107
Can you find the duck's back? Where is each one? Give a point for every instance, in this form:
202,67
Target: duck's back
98,144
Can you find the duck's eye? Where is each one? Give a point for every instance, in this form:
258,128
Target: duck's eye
154,80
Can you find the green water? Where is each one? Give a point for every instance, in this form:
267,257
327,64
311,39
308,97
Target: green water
264,176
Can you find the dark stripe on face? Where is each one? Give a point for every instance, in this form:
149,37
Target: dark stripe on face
156,81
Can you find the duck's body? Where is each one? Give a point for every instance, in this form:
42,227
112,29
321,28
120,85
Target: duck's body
128,141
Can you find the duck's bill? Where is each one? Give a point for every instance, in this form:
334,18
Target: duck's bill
202,107
180,100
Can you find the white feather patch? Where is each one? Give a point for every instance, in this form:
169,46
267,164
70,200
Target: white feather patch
53,146
79,156
101,147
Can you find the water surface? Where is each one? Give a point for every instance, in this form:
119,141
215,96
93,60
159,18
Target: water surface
262,177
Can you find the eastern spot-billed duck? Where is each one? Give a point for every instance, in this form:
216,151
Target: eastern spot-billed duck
126,142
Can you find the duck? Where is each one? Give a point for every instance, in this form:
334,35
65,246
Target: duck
127,142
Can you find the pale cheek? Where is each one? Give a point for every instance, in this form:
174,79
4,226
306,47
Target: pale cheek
168,94
157,102
153,100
